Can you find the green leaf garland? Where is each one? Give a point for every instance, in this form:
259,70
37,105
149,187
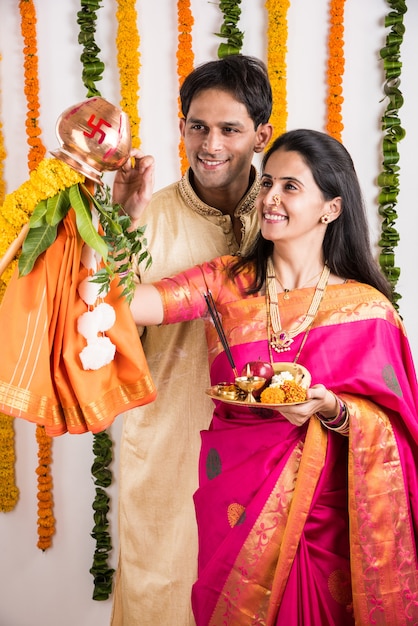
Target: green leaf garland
92,66
229,30
102,444
100,570
388,179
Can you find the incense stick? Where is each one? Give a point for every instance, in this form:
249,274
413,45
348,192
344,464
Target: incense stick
219,328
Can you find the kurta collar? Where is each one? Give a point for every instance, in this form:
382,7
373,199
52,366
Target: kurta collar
245,206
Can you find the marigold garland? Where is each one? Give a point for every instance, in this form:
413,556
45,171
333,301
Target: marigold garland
388,179
335,71
128,57
185,61
50,177
28,29
229,30
9,492
36,153
46,520
277,31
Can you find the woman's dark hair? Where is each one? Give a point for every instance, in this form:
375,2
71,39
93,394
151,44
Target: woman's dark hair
346,244
244,77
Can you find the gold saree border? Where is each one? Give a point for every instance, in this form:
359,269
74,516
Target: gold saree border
94,416
342,304
383,566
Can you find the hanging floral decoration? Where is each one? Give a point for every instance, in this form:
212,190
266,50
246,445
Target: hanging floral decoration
388,179
46,520
30,50
50,178
185,61
335,71
92,66
229,30
9,492
128,57
277,32
36,154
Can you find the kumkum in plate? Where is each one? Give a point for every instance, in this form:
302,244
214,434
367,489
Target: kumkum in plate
231,393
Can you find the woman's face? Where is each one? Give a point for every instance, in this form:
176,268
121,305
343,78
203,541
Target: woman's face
298,214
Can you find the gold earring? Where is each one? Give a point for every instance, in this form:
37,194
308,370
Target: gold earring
325,219
277,199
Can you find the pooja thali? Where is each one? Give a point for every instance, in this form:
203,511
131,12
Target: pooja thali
230,393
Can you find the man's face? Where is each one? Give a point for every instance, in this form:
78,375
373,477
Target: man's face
220,140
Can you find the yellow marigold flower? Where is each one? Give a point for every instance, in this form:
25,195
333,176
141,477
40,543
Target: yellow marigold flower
128,55
293,391
277,32
272,395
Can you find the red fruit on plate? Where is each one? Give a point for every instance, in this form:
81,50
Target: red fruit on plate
258,368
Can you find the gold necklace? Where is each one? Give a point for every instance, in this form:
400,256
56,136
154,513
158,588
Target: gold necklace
286,292
279,339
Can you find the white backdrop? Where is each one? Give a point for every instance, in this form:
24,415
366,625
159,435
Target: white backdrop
55,588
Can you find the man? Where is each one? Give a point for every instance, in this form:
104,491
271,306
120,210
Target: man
226,105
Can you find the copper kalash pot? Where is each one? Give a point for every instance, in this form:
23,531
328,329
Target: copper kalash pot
94,136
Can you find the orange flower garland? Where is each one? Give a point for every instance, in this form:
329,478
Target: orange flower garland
185,60
46,520
28,29
276,61
334,126
9,493
35,156
128,55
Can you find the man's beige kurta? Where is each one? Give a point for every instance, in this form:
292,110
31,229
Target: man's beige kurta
161,441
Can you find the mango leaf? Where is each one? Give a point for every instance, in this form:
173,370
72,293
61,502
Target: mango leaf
38,216
37,241
84,222
57,207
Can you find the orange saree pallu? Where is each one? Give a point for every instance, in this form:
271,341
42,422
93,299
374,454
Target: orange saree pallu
41,374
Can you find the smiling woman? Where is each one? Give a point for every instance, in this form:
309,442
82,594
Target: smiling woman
293,459
303,208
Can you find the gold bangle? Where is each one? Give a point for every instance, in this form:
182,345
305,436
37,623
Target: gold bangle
340,423
339,405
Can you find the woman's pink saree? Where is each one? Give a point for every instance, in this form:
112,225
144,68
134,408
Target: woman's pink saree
301,526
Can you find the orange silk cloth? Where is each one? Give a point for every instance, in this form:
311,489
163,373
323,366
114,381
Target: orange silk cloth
41,375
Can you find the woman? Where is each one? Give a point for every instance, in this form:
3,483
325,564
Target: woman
307,516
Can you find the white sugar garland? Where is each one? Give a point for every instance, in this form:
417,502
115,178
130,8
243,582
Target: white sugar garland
99,350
